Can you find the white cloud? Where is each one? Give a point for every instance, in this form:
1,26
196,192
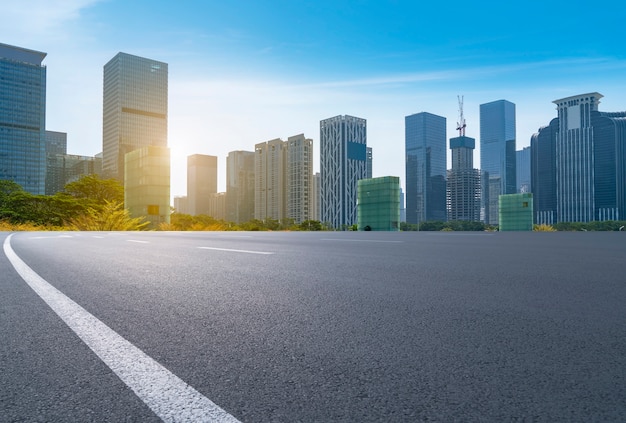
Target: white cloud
37,17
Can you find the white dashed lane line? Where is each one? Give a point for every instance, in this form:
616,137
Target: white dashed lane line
166,394
236,251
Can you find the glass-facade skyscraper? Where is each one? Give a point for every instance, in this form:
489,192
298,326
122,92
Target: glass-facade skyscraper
497,155
543,173
425,149
134,109
23,118
522,169
343,161
579,163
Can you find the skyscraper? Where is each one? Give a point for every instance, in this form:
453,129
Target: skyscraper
134,109
299,169
463,186
497,155
590,161
425,149
269,180
284,179
343,161
23,118
201,182
579,163
522,169
240,186
543,173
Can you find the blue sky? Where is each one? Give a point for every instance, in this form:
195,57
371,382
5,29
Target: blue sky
243,72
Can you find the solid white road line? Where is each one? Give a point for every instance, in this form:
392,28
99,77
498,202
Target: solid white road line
167,395
137,241
236,251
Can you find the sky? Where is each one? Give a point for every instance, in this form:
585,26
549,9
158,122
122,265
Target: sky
244,72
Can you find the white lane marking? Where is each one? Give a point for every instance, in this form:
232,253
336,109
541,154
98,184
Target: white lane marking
51,237
99,237
236,251
361,240
166,394
137,241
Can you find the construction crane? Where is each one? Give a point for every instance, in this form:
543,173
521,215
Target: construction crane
460,125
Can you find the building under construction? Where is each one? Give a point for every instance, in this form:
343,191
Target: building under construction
463,187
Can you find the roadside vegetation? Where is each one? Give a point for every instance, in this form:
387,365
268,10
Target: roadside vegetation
96,204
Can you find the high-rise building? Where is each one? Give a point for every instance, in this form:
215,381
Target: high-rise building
579,163
56,148
316,197
134,109
299,167
497,155
590,161
522,169
23,118
370,161
284,179
463,188
343,161
147,184
543,173
240,186
269,180
425,148
201,182
609,145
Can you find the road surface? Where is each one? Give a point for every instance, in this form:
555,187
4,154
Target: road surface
313,327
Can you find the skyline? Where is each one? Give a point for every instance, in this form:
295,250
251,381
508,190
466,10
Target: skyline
242,74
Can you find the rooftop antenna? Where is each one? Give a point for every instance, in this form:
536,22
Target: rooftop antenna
460,125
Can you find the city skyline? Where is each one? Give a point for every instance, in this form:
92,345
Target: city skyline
227,66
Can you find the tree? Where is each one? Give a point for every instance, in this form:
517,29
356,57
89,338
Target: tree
95,190
112,216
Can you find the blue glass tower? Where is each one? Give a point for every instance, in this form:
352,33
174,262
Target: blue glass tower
543,173
497,155
425,149
23,118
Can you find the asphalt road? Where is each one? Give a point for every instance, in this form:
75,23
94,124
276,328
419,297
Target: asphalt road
325,327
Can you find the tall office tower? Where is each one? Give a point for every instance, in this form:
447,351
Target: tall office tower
497,155
299,169
579,163
343,161
369,163
522,170
609,142
23,118
425,149
56,149
201,182
590,161
575,158
269,180
240,186
316,197
543,173
134,109
463,188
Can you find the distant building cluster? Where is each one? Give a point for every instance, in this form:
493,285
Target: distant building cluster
573,171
